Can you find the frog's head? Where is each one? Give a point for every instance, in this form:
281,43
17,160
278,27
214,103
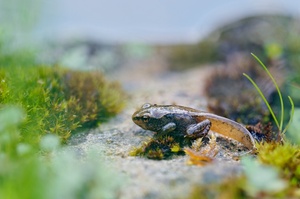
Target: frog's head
150,117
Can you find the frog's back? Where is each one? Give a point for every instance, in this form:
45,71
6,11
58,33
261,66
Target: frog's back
175,109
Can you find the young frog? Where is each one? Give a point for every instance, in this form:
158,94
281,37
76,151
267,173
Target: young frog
180,121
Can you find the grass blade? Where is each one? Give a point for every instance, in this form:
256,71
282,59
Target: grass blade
278,91
264,98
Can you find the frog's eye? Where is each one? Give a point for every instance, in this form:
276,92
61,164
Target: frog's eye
145,118
147,105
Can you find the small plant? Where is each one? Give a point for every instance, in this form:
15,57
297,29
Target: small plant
280,123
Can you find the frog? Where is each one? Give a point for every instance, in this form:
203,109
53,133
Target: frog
185,122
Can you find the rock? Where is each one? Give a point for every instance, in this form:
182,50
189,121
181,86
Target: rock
149,178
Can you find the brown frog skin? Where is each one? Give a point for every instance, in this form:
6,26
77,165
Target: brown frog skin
187,122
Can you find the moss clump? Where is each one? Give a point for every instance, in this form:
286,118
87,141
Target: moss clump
159,148
59,101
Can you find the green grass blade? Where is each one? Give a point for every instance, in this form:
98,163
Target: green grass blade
291,115
263,97
277,88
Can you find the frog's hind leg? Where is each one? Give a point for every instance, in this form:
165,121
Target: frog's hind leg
200,129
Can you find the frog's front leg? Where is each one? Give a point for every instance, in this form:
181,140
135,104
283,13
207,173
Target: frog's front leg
168,128
200,129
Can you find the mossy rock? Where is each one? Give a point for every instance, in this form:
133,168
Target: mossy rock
59,101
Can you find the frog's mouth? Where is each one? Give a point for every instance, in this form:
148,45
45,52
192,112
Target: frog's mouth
138,121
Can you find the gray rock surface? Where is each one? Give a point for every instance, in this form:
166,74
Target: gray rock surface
148,81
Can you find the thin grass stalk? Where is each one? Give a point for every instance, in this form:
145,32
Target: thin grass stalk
264,98
278,91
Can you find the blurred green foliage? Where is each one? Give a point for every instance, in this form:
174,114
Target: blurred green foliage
274,174
14,57
261,178
48,171
294,130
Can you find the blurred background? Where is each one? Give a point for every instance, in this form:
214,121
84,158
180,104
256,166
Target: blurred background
154,38
92,24
141,50
147,22
76,33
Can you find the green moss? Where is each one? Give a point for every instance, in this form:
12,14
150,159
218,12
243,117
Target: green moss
59,101
44,171
285,157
